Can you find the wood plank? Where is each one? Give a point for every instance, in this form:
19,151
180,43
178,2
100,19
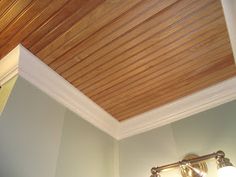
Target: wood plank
144,74
194,86
4,5
137,54
137,35
21,20
117,28
134,17
32,25
106,12
201,85
69,8
181,84
85,7
162,78
127,41
162,71
63,64
128,56
13,12
165,46
189,69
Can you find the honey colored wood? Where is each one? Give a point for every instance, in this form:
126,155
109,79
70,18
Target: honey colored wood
133,59
31,26
128,56
166,84
130,39
156,24
4,5
63,26
123,24
163,72
13,11
22,19
173,56
44,20
91,23
218,76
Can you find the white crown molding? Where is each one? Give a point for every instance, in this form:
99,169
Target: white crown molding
21,61
9,66
35,71
43,77
39,74
203,100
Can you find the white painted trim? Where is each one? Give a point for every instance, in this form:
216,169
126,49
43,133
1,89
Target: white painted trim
9,66
229,8
206,99
39,74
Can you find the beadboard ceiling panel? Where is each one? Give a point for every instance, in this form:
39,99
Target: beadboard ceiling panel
128,56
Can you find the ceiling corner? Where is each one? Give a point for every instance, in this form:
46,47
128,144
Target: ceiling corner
43,77
9,65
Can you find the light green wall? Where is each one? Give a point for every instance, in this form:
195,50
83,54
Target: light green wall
30,132
203,133
41,138
139,153
208,131
5,91
85,150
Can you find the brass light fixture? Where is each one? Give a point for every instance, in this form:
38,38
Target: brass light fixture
195,166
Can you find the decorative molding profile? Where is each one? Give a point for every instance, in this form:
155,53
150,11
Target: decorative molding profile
9,66
43,77
39,74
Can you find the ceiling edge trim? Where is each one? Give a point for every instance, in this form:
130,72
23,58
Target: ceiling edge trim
200,101
43,77
9,66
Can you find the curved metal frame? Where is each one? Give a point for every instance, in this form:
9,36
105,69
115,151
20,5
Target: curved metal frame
219,156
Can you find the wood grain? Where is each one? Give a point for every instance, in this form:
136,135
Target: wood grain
4,5
31,26
22,19
133,57
94,21
128,56
13,11
69,8
85,6
160,73
114,30
175,79
100,55
192,87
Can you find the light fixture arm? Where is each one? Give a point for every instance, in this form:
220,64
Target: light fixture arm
216,155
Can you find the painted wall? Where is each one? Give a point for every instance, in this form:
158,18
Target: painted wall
30,132
5,91
84,150
201,134
41,138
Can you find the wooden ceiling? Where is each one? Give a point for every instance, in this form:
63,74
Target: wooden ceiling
129,56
